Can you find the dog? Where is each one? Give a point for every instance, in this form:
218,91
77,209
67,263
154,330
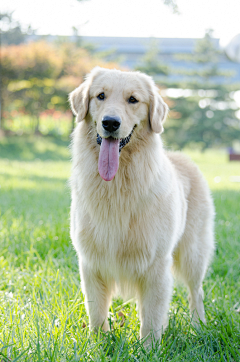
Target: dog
139,213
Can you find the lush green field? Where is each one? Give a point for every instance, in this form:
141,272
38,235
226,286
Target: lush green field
42,315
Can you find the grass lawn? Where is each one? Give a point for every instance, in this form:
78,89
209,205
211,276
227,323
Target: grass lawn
42,315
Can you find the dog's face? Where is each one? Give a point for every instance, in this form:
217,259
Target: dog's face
116,103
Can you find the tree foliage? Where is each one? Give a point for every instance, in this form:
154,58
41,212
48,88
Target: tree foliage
205,117
12,31
38,76
202,107
172,4
150,63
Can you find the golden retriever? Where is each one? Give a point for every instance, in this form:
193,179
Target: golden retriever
138,212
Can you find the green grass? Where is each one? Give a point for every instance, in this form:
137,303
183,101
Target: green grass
59,124
42,315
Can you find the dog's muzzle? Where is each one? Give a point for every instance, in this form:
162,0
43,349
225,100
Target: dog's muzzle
122,143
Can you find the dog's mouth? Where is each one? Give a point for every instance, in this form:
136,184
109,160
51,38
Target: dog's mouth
122,141
110,149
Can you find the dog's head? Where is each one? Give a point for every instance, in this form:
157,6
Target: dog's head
116,102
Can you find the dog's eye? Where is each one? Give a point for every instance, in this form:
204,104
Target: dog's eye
101,96
132,100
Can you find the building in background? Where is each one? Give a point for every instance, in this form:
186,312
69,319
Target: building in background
130,53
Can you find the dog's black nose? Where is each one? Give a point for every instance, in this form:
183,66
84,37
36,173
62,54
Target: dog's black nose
111,123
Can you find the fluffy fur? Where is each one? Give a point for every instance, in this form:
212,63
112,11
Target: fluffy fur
156,215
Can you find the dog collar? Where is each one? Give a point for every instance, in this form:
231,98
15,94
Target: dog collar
122,142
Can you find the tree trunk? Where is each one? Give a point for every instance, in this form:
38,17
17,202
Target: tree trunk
36,131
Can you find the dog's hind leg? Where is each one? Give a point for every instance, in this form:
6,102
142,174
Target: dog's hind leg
97,297
191,259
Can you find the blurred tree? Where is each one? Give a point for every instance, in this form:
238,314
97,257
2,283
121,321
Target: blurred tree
150,62
208,115
37,76
203,111
77,37
23,68
207,55
172,4
12,31
204,116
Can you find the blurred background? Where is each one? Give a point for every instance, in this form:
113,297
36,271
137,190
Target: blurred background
191,49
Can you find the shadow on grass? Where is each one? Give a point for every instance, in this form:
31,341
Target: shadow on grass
34,147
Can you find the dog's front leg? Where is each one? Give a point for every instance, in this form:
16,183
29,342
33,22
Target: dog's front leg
97,297
155,291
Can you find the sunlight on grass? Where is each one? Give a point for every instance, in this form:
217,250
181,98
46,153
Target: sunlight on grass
217,169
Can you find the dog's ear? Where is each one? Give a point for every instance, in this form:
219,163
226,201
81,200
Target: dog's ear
158,110
79,100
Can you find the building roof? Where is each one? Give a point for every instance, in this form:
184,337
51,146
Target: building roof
141,45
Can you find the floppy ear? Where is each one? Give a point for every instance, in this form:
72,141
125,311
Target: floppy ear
158,111
79,100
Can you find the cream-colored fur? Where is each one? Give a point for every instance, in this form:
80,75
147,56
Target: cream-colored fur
155,215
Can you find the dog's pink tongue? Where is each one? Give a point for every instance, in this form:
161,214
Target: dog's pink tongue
108,158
